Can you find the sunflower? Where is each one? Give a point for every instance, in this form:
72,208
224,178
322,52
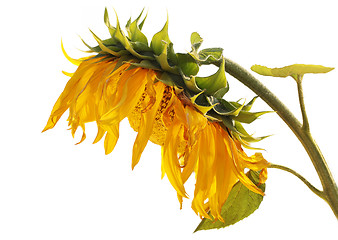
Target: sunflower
165,102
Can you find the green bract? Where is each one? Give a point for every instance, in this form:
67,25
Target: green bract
179,70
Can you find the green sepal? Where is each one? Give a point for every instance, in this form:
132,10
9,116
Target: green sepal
104,48
228,123
122,60
240,204
166,79
111,29
222,91
96,49
196,41
210,55
160,40
248,106
244,143
140,26
147,64
141,47
202,103
171,79
191,83
120,36
162,59
213,83
222,107
134,32
249,117
245,135
187,64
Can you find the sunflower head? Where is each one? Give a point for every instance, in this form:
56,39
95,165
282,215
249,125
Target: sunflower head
165,101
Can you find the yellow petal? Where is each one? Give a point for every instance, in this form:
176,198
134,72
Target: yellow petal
170,159
146,126
72,60
111,140
129,96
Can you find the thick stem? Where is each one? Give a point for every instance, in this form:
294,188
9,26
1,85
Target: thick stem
330,189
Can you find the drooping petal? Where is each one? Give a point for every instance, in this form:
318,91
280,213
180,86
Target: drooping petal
170,160
131,93
111,139
205,171
146,125
73,86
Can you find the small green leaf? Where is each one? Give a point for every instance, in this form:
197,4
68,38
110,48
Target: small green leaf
160,39
214,82
240,204
196,41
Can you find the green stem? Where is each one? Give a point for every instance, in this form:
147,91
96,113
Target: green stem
306,182
330,190
306,126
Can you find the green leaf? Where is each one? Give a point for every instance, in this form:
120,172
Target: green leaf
240,204
291,70
187,64
213,83
196,41
160,39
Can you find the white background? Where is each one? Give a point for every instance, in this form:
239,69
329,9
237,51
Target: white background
52,189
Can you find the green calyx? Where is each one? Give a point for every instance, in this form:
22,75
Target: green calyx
179,70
